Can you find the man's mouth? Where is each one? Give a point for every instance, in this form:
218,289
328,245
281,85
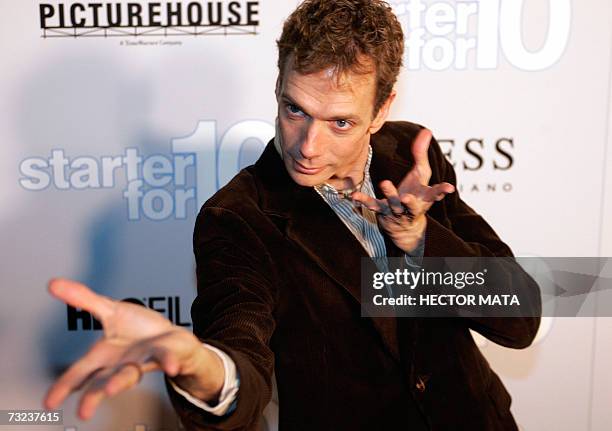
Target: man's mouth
305,169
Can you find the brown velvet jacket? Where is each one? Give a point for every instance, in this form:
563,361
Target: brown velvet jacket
278,290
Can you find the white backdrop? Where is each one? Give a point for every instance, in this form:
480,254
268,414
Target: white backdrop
517,91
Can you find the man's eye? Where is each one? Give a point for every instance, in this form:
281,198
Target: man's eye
294,109
342,124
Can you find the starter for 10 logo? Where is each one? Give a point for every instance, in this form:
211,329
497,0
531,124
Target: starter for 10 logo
474,34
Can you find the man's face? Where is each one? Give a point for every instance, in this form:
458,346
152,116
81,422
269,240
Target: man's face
325,125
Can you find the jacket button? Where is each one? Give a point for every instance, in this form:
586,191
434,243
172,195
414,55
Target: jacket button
420,384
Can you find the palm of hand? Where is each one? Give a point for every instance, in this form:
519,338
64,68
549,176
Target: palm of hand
126,323
401,214
136,340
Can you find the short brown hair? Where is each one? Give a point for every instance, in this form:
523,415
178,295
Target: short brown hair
337,33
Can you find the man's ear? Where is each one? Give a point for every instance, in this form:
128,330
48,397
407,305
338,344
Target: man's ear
278,139
277,87
381,115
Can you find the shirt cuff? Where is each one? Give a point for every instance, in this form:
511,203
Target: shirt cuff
227,399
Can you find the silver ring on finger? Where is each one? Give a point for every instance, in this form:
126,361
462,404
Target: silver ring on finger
405,212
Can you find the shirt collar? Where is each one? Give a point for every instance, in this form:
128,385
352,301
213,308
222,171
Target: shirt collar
331,190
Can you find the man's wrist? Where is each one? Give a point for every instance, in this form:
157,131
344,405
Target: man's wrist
227,401
419,226
206,380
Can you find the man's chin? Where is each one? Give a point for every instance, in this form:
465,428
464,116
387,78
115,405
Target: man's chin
306,180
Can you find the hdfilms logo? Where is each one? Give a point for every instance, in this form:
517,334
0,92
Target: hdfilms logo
474,34
169,306
490,158
158,186
148,18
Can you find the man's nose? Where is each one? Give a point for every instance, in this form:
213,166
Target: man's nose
312,144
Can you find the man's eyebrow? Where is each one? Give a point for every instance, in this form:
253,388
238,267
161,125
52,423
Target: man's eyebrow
289,100
344,117
292,102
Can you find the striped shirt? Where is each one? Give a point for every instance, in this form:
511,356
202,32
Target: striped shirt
360,220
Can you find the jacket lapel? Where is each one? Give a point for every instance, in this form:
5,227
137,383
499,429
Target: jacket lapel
391,160
314,227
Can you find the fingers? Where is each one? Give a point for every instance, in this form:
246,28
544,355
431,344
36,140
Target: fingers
80,296
393,198
92,371
101,380
142,358
93,395
100,355
128,375
398,203
409,201
420,148
373,204
156,354
420,173
108,383
437,192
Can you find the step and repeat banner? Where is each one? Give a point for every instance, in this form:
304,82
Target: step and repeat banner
119,119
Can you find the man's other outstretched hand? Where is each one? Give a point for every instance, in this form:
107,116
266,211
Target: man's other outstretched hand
136,340
401,214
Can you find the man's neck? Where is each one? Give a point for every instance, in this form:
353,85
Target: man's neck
353,178
346,183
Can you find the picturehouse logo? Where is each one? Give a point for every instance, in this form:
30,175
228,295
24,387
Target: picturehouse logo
148,18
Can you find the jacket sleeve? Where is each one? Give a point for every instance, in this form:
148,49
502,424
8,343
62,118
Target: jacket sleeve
233,311
458,231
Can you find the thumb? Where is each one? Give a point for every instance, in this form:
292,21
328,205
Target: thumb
420,147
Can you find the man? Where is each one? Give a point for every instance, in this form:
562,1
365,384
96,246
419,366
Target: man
278,254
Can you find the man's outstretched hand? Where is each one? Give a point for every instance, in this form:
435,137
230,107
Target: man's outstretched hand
136,340
402,213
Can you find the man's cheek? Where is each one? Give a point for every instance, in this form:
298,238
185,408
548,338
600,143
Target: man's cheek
289,141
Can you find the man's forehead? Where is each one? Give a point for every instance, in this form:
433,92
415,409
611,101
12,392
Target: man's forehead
360,73
330,80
